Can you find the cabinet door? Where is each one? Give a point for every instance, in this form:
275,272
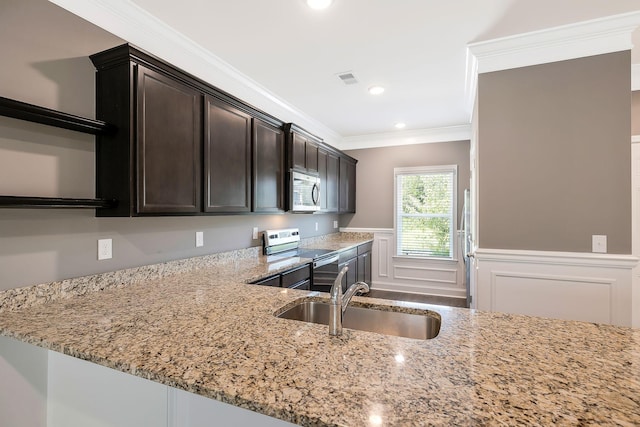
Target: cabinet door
168,144
298,152
322,172
364,268
227,155
347,186
270,281
268,168
311,155
349,278
331,183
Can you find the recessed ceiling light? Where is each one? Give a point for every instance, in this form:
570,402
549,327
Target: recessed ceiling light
319,4
400,125
376,90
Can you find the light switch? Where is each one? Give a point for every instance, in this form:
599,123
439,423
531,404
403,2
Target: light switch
599,244
199,239
255,233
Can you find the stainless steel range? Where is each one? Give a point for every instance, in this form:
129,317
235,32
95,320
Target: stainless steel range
280,244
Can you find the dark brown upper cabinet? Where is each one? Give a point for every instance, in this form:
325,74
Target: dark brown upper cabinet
168,144
298,151
311,154
152,163
179,146
331,185
322,172
347,185
227,158
268,168
328,171
302,149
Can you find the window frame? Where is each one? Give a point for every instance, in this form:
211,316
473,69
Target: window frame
417,170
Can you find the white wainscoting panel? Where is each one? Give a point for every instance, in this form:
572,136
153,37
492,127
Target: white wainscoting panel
571,286
381,243
415,275
530,294
635,215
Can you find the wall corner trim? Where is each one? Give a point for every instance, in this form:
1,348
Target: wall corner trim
577,40
583,259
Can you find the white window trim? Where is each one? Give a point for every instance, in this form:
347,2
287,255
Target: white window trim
454,230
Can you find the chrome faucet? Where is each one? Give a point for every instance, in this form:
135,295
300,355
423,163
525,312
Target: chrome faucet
339,302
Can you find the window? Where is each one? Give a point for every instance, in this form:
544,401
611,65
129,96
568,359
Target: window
425,211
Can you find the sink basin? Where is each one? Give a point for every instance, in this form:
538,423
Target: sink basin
417,326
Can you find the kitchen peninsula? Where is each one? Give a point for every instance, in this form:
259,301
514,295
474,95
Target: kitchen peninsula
196,325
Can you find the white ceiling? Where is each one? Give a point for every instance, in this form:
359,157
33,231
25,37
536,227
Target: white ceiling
416,49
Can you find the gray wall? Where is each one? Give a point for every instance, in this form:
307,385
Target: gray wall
374,177
48,65
554,155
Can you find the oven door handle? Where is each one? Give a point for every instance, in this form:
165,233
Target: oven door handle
325,261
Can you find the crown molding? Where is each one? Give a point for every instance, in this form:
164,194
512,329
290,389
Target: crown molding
407,137
130,22
581,39
578,40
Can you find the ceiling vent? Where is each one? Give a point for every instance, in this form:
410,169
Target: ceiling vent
348,78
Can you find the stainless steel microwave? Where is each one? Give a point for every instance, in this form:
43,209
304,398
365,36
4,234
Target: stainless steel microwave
305,192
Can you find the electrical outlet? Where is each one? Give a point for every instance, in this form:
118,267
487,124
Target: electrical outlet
335,224
104,249
599,244
316,226
199,239
255,233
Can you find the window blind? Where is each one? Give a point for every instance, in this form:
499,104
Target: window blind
425,211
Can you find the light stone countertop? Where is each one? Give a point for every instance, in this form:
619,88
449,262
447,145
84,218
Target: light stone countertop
205,331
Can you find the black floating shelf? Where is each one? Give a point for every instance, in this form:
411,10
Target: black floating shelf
33,113
53,202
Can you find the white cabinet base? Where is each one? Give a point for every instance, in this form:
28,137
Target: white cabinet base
42,388
23,394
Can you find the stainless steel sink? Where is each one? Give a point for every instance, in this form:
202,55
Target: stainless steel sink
417,326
